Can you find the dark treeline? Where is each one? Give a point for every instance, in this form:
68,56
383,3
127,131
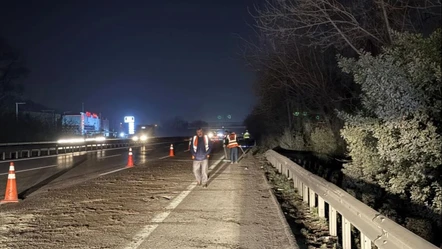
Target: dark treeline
31,123
178,126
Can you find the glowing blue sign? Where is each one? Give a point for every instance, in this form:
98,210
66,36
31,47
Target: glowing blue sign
131,122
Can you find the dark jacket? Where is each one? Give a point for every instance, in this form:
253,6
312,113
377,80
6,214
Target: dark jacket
203,147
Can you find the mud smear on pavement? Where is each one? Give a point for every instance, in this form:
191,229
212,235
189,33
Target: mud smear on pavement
309,229
11,223
217,171
101,213
25,193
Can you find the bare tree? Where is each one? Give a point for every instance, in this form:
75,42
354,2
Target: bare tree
301,78
294,53
343,23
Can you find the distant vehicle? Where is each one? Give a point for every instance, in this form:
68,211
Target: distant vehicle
216,135
143,133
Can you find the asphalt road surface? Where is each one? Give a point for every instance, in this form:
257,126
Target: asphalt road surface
34,174
155,204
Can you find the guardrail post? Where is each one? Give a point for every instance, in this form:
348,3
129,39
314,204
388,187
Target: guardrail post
312,199
365,242
346,233
3,156
332,224
305,193
284,170
321,208
300,188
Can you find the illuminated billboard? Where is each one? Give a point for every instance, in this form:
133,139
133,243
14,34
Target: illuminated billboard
130,120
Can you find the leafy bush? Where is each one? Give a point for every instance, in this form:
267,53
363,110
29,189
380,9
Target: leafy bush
323,141
394,141
291,140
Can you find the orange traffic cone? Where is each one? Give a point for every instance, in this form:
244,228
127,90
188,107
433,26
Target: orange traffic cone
171,153
11,187
130,160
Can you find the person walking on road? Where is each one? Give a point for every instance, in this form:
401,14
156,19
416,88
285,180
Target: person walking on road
225,143
233,146
200,149
246,137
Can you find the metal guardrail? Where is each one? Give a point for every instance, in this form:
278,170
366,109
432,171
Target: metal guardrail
55,142
373,226
10,151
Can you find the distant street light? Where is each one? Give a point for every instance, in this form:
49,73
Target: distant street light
16,108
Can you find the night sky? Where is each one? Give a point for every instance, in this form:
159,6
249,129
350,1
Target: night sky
150,59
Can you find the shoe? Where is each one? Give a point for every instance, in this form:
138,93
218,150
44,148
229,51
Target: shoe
236,162
198,183
205,185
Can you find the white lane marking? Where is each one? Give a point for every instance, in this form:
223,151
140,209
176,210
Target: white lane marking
144,233
104,157
24,170
163,157
113,171
181,160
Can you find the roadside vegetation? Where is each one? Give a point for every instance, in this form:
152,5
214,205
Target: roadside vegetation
359,83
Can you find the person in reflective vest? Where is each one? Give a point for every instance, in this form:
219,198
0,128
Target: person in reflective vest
226,139
190,142
200,148
233,146
246,135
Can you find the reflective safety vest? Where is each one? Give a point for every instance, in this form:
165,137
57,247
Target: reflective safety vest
246,135
232,141
195,142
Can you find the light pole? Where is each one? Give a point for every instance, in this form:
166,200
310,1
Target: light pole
16,108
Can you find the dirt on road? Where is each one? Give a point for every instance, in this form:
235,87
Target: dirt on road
100,213
107,212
